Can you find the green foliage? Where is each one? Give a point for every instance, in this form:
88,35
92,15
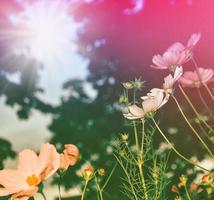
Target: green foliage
144,171
6,151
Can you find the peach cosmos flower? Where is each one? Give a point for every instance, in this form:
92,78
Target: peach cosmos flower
170,80
24,181
154,100
176,55
72,152
69,157
196,78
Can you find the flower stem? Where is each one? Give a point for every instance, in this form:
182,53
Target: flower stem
143,181
194,131
100,191
135,135
143,135
209,91
194,109
205,104
175,150
84,190
59,187
43,195
187,193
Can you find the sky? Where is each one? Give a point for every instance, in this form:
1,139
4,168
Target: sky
59,67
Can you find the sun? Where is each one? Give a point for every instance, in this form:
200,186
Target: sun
48,30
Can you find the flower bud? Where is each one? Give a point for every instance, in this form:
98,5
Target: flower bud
101,172
128,85
88,173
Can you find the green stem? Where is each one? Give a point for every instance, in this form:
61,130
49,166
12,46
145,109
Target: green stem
100,191
143,181
194,109
143,135
59,187
194,131
135,135
187,193
109,177
84,190
175,150
43,195
128,177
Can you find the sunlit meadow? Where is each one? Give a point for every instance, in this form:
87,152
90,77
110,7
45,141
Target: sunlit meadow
106,100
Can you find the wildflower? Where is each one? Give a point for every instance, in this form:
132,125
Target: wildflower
197,78
72,152
101,172
24,181
176,55
128,85
152,102
183,181
170,80
88,173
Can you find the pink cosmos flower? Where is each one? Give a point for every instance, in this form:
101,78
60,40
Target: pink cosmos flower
23,182
197,78
170,80
152,102
176,55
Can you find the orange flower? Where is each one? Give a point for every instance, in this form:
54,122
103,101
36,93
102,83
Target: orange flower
24,181
72,152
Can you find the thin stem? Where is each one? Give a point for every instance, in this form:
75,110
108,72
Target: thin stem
59,187
143,135
194,110
194,131
109,177
43,195
187,193
175,150
208,91
99,189
205,104
83,192
143,181
128,177
135,135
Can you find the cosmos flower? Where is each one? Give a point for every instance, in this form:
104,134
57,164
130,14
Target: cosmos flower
197,78
23,182
170,80
151,103
69,157
176,55
72,152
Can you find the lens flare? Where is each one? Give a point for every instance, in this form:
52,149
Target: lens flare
47,30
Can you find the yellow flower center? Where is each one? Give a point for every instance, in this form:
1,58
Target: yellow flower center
32,180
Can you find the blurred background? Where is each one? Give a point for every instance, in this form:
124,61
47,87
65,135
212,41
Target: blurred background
61,67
